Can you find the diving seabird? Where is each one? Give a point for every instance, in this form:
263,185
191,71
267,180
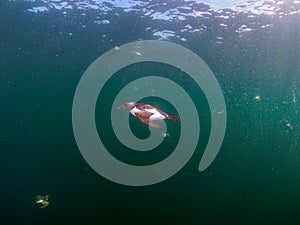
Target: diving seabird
147,113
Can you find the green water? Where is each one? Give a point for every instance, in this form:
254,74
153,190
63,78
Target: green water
255,179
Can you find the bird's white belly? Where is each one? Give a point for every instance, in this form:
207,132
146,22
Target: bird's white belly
134,110
156,115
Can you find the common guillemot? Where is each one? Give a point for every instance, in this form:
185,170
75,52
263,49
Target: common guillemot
147,113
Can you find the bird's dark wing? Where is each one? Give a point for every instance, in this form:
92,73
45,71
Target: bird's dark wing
143,115
142,106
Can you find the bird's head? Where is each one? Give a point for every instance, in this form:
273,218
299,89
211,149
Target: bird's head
128,105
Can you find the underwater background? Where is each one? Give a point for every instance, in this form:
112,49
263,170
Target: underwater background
253,49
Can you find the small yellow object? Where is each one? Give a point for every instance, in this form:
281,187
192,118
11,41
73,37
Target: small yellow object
257,97
289,126
43,200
